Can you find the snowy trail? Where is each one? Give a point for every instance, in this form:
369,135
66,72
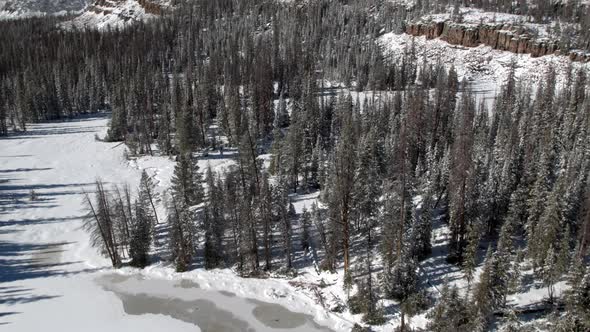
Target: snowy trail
49,271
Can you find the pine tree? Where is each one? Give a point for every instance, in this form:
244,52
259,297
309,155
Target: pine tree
186,130
181,233
549,272
285,214
306,229
342,179
401,280
282,119
515,280
214,222
293,145
470,260
186,181
141,234
542,212
395,219
267,219
461,178
146,193
367,192
347,284
423,230
451,312
164,133
577,297
546,232
483,294
209,252
101,224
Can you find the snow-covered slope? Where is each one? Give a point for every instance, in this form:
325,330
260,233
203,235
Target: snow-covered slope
104,14
485,68
11,9
98,14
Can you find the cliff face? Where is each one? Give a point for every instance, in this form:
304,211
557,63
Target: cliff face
501,37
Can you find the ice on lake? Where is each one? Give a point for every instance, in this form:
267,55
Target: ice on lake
214,311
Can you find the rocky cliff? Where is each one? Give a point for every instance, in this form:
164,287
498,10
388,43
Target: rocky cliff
505,37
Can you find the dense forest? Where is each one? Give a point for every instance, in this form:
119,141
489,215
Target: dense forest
412,148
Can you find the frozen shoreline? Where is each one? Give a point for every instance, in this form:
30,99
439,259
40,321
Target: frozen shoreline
47,262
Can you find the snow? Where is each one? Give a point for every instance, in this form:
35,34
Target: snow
485,68
19,9
115,16
476,16
10,15
49,269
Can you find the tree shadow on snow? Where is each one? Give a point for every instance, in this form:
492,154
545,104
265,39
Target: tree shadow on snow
20,295
24,261
18,170
6,314
15,196
39,221
37,130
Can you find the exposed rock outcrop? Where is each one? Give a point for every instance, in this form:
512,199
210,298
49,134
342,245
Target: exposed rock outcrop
498,36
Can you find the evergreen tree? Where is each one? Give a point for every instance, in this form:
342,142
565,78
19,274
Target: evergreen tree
451,312
577,317
483,293
342,179
401,280
470,260
146,194
186,182
423,230
141,234
549,272
306,230
181,235
214,222
461,178
282,119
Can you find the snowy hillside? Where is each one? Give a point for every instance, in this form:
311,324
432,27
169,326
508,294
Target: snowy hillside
117,14
12,9
484,68
94,14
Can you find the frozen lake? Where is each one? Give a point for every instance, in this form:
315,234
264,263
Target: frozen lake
215,311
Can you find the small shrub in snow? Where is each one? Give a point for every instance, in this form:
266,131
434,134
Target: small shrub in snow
357,304
375,316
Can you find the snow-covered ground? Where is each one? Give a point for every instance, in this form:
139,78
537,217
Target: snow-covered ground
116,15
475,16
485,68
49,271
19,9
